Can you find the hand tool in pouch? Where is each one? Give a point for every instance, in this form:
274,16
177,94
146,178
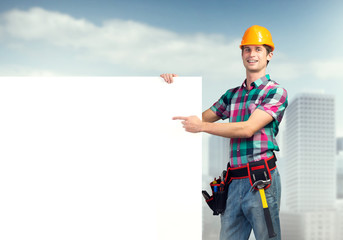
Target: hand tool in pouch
260,185
219,187
260,179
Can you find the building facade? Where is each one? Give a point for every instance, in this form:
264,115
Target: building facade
310,156
219,152
340,175
310,148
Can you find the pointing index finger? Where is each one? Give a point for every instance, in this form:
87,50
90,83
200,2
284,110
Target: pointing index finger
180,118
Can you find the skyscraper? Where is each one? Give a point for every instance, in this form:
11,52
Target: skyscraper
339,145
340,175
310,179
219,150
340,168
310,152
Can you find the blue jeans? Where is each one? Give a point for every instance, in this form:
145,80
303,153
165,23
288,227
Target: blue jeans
244,210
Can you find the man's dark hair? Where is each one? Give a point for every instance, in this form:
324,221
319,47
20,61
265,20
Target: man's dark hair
269,50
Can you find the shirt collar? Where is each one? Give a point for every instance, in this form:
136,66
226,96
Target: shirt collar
257,82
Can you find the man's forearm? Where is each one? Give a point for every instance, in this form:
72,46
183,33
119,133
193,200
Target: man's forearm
228,130
245,129
209,116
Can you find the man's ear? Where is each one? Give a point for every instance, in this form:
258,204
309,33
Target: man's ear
269,56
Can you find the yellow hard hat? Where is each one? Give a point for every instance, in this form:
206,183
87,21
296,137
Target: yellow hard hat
257,35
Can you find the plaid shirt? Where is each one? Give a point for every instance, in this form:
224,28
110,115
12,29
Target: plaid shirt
238,104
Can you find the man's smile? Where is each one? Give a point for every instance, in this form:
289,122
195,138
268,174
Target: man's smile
252,61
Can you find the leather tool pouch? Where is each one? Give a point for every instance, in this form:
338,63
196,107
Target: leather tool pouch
258,171
217,202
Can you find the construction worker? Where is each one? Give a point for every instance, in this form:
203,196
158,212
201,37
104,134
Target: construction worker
255,110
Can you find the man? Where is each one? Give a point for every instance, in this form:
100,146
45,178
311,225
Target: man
255,110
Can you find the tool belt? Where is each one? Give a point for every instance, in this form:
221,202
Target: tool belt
253,170
219,187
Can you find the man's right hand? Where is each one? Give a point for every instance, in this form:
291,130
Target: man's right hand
168,77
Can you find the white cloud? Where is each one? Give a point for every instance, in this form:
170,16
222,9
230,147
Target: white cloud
39,24
284,71
136,46
132,48
18,70
126,43
327,69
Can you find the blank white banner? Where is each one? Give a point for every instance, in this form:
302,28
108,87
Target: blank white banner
99,158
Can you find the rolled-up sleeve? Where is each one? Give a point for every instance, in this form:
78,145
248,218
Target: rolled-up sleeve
219,107
275,103
222,106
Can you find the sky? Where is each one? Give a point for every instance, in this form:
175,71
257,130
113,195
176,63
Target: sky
190,38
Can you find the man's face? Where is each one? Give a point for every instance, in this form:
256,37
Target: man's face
255,57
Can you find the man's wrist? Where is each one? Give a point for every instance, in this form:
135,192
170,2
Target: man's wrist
204,126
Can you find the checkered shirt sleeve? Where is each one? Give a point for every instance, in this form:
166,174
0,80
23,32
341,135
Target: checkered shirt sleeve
275,103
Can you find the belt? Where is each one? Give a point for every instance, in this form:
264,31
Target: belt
242,172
